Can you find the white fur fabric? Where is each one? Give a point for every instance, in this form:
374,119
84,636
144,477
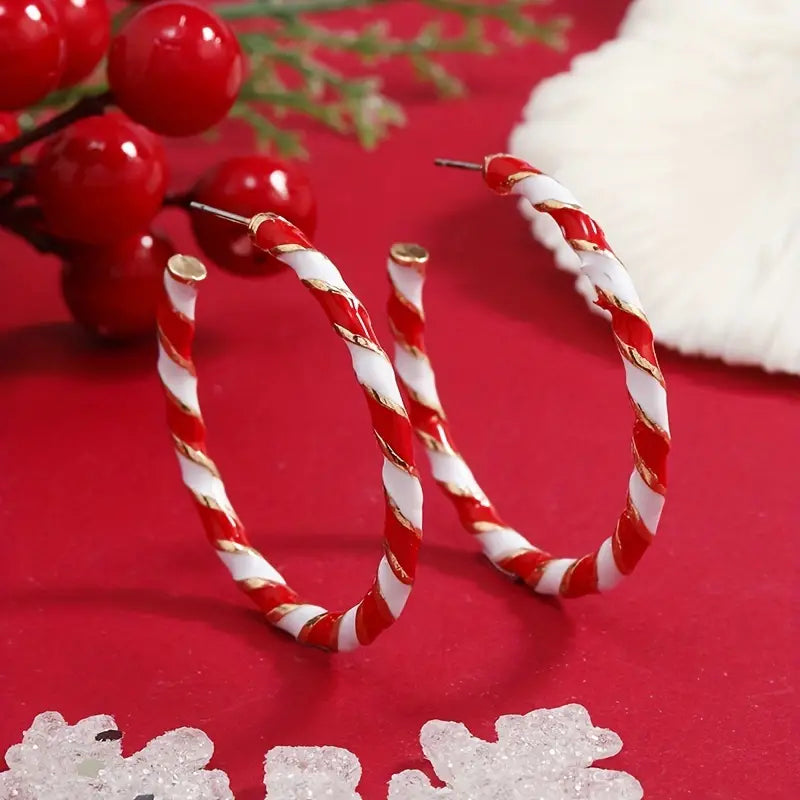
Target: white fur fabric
682,138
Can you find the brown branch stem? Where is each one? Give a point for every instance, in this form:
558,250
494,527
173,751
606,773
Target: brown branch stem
22,222
85,107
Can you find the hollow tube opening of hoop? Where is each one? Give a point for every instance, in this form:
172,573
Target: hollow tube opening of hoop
408,253
187,268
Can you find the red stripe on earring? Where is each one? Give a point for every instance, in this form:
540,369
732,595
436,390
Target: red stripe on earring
576,224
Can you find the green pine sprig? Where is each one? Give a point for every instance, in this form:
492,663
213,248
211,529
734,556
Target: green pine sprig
289,48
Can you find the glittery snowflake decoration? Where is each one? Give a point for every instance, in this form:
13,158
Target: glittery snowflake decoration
311,773
544,755
56,761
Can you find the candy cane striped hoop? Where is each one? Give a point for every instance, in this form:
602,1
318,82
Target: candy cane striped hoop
309,624
505,547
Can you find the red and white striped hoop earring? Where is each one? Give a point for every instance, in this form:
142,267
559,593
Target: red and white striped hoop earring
309,624
507,549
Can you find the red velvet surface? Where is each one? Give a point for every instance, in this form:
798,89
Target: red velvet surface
112,602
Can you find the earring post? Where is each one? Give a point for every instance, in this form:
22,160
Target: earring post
449,162
218,212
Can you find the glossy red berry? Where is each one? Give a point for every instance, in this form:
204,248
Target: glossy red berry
32,52
85,25
101,179
9,129
176,68
113,290
246,186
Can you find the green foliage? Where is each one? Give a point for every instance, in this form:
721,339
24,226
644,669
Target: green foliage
289,53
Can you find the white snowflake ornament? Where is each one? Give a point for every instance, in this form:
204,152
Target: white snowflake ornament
57,761
544,755
311,773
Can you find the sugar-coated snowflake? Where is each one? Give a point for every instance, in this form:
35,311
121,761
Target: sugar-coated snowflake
311,773
56,761
544,755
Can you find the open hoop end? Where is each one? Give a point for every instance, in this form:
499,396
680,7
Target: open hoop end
409,254
186,268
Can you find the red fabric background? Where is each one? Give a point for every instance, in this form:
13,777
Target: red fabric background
112,602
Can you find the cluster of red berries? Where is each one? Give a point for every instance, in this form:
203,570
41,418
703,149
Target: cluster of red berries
173,69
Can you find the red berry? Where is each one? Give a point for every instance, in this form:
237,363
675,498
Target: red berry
246,186
85,25
113,290
176,68
31,52
101,179
9,129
